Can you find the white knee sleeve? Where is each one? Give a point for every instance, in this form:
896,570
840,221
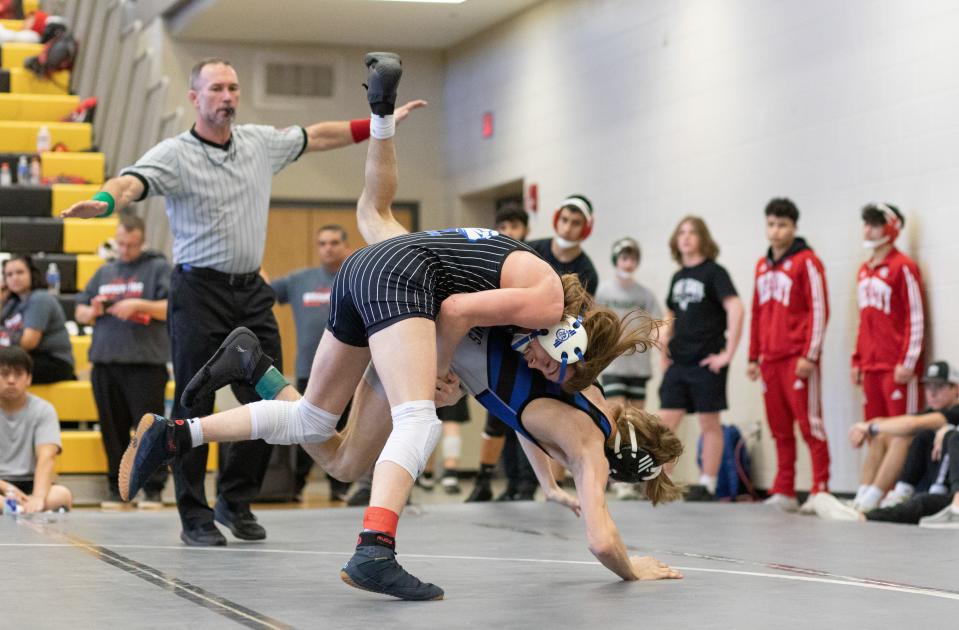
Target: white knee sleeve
282,422
416,430
452,446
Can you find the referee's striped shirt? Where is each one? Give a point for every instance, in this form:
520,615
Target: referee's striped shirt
218,196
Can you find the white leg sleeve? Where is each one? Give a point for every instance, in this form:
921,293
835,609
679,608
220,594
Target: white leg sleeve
416,430
452,446
282,422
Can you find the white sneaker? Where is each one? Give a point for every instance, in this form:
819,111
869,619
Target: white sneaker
809,507
947,518
625,491
832,509
784,503
892,499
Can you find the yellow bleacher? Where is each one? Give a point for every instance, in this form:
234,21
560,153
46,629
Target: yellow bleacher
87,265
84,236
88,166
65,195
12,25
17,136
81,352
32,107
22,81
13,54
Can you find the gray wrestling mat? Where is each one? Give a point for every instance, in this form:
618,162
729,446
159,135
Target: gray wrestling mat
519,565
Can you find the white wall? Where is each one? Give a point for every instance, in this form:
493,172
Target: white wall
658,108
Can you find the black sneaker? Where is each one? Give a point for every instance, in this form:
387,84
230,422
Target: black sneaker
385,70
205,535
239,359
426,482
450,484
359,498
481,492
696,494
156,442
240,521
374,568
524,493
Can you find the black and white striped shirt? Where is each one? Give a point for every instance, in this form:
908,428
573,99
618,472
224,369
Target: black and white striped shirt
416,272
218,196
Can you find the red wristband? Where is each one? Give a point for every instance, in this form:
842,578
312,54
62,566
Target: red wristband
381,520
360,129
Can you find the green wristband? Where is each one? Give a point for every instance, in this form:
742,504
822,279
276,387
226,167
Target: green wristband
107,198
270,384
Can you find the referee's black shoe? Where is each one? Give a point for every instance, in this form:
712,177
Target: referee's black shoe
239,520
239,359
385,70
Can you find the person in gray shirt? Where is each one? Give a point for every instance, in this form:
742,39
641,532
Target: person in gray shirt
29,439
34,320
217,179
625,379
307,291
126,302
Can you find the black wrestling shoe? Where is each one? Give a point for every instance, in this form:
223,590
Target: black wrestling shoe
481,493
205,535
240,521
374,568
698,494
239,359
385,70
156,442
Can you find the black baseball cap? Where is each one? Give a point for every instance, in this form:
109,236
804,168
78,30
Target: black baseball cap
941,372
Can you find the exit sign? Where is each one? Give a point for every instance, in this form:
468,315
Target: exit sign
487,124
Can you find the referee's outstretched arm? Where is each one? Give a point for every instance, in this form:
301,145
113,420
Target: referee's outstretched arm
115,195
324,136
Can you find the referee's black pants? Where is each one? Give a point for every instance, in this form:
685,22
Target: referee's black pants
203,307
124,392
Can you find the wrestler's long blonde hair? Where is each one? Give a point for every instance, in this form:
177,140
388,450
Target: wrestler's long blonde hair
609,336
653,436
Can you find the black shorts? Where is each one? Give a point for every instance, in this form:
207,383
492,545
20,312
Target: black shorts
410,275
460,412
693,388
632,387
495,428
25,485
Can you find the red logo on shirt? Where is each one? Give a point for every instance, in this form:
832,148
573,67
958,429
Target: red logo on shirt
320,297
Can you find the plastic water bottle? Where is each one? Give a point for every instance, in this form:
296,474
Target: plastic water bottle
35,171
53,279
6,177
23,171
43,139
10,506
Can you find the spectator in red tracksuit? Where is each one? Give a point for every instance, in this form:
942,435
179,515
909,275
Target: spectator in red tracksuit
889,345
790,311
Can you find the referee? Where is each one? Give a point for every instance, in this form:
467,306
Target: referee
216,178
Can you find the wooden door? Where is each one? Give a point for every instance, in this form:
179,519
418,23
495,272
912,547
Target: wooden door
290,245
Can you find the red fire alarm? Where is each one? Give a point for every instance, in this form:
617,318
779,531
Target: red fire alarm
487,124
532,197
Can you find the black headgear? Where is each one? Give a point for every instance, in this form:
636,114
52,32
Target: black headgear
629,462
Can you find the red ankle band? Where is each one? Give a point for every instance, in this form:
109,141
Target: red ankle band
360,129
381,520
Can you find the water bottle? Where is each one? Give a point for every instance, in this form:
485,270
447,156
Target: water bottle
23,171
10,502
35,171
53,279
43,139
6,178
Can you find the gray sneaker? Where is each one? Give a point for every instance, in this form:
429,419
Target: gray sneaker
947,518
